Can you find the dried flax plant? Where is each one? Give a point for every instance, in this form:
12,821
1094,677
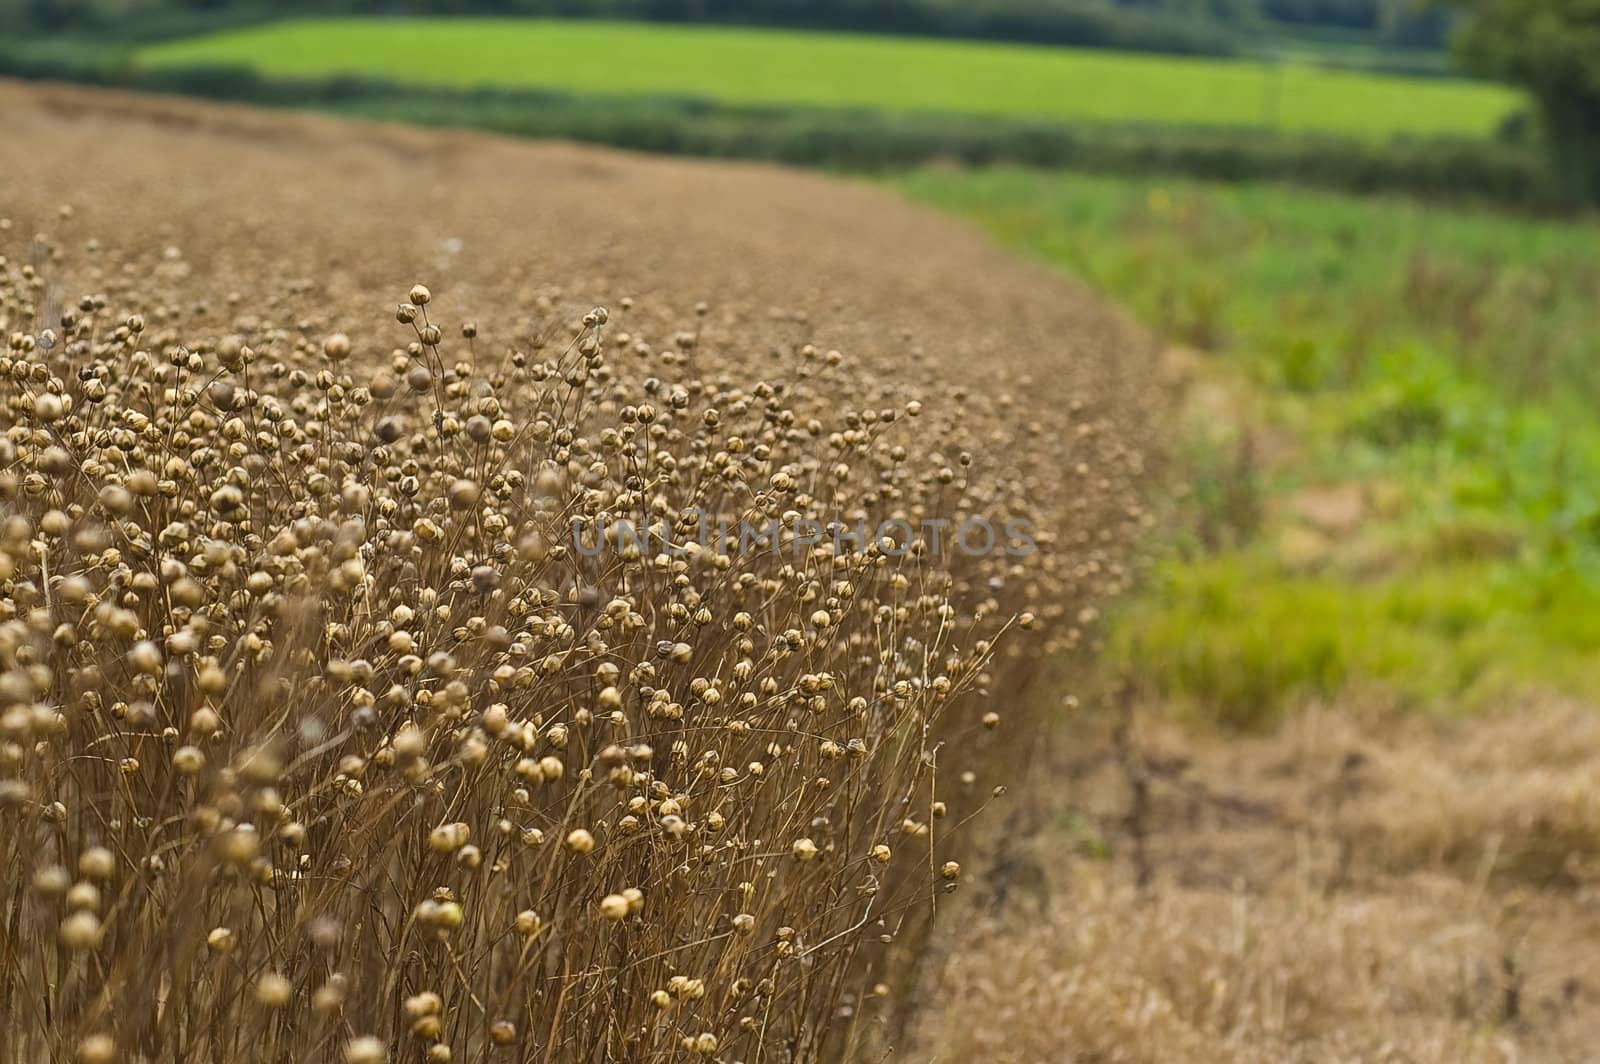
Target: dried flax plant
321,739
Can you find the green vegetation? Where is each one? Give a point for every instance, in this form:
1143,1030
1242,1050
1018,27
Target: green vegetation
1145,27
763,67
1394,33
1459,167
1392,455
1309,289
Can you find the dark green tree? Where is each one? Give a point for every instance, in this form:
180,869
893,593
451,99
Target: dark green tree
1551,48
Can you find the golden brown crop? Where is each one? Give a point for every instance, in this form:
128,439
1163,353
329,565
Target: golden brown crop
324,735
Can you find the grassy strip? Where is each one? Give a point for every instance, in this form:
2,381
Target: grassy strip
1392,455
859,138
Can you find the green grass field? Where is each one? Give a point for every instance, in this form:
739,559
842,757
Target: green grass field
760,66
1434,363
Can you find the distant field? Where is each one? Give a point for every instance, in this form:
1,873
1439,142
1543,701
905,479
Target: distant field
760,66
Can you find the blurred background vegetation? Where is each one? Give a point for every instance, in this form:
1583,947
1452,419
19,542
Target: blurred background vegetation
1201,27
1363,225
1356,94
1391,457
